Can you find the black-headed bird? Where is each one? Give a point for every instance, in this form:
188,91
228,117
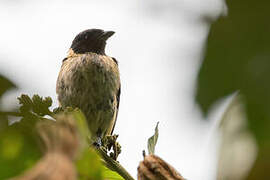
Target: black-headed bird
90,80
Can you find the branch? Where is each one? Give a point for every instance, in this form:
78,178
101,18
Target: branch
114,165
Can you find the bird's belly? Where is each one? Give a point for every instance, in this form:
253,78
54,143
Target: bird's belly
91,85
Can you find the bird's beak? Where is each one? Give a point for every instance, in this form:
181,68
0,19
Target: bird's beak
107,34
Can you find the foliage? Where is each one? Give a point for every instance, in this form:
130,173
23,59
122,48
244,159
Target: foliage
112,175
237,58
20,146
152,141
18,150
89,165
36,105
5,85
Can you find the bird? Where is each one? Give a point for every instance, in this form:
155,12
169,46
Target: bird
90,80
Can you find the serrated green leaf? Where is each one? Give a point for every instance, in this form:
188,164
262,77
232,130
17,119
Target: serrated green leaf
26,103
48,101
35,107
41,106
38,106
152,141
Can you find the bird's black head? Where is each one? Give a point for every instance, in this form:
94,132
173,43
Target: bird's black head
91,40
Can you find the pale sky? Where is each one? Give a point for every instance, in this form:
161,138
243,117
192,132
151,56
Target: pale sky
159,46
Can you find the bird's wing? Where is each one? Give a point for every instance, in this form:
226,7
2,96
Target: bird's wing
117,107
64,59
117,99
116,62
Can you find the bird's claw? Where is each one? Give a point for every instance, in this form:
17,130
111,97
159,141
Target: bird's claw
109,142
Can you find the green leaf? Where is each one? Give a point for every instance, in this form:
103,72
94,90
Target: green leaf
18,150
36,106
82,124
152,141
89,165
26,103
5,85
111,175
41,106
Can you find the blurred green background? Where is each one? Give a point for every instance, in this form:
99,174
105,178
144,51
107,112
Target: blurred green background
237,59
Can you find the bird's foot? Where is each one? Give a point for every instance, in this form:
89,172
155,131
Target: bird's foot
109,143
